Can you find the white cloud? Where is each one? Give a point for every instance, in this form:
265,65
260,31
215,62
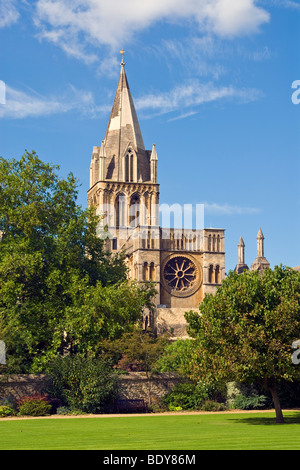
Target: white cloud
232,17
291,4
227,209
76,24
21,104
191,95
8,13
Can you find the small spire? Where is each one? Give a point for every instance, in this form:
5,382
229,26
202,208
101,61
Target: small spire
260,235
241,266
241,242
241,252
102,151
260,244
153,153
260,263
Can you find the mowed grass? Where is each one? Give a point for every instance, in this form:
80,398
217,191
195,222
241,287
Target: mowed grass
236,431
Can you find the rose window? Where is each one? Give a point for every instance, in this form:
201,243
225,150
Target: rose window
180,275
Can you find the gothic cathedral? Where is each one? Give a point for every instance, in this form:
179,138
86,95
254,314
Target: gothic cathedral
183,264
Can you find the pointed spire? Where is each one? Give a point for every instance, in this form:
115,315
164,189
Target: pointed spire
241,251
241,242
123,130
241,266
260,234
153,165
260,244
123,117
153,153
102,166
260,263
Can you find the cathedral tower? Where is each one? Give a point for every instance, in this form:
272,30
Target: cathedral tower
184,264
123,175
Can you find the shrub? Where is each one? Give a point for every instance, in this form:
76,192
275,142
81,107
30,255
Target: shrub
210,405
252,402
84,384
34,405
175,408
188,396
6,411
63,410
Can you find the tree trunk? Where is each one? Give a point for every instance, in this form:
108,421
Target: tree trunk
277,405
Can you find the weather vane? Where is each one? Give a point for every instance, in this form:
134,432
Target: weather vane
122,52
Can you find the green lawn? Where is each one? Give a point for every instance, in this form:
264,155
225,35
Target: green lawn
238,431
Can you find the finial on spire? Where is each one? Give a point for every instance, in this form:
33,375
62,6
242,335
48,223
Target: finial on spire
122,52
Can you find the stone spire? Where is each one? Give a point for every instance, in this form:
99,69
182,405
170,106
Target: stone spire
123,133
260,263
241,266
260,244
153,165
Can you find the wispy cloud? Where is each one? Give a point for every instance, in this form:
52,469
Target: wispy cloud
227,209
9,13
191,95
291,4
23,104
185,98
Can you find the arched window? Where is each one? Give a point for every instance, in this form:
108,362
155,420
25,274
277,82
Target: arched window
130,166
209,242
120,210
145,272
134,211
127,167
210,274
152,272
218,243
131,169
217,275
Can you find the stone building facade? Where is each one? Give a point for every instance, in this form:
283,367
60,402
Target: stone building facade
183,264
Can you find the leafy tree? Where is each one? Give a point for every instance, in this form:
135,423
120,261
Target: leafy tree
177,357
246,330
59,287
136,350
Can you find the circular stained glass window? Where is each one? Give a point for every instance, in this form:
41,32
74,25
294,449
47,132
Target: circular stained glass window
181,276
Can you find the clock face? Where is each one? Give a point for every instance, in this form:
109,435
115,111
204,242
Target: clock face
181,276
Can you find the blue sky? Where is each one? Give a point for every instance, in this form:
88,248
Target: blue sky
212,84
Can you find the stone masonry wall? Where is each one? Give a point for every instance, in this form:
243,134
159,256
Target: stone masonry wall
133,385
17,386
136,385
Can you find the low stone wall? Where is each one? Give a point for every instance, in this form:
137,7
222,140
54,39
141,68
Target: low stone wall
17,386
134,385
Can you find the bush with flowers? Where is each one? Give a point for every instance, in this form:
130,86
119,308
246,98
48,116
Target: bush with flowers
34,405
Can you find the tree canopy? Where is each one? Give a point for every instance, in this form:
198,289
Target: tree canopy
246,330
59,288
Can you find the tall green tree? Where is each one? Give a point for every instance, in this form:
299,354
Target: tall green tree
246,330
59,287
